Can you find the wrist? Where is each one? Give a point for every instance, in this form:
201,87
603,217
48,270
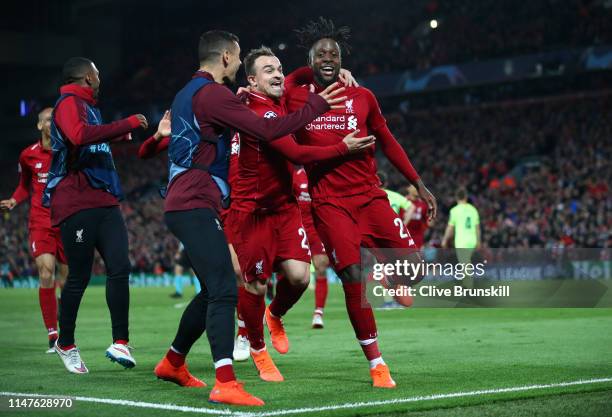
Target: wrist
157,136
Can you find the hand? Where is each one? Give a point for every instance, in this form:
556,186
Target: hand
244,90
8,204
347,78
143,121
164,128
329,95
426,195
355,145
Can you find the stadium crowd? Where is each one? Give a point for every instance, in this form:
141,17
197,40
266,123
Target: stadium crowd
382,42
538,172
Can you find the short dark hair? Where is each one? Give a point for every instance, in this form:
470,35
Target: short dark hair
461,194
249,60
75,69
213,43
323,28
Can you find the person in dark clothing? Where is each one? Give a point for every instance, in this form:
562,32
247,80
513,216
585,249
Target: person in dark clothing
83,192
202,113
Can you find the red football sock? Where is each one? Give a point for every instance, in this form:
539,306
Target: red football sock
48,307
370,349
225,373
253,308
320,292
242,331
121,341
286,296
361,316
175,358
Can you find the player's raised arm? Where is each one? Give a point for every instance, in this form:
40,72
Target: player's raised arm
159,142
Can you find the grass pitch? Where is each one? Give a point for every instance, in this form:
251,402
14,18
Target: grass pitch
430,351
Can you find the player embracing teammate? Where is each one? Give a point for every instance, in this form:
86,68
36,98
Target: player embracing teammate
264,224
349,208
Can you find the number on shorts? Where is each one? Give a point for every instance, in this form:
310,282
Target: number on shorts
398,222
302,232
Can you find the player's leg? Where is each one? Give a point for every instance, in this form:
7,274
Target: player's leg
253,304
46,296
212,264
337,225
241,344
172,367
292,255
60,260
179,280
78,238
382,228
112,244
321,263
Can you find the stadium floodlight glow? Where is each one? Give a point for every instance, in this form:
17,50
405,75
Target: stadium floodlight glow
282,46
433,23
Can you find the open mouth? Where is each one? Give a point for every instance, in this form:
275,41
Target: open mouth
327,70
276,83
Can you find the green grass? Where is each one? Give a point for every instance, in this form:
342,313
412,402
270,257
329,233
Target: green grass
430,351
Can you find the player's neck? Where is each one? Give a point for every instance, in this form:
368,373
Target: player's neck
46,143
215,71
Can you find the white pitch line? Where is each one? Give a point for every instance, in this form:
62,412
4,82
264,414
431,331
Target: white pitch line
232,413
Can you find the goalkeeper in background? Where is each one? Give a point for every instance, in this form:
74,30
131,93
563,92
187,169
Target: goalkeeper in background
464,225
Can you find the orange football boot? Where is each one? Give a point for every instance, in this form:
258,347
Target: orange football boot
381,377
277,332
233,393
180,376
266,367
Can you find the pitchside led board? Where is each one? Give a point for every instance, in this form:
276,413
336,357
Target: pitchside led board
556,277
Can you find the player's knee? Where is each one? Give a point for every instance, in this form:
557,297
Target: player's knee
350,275
119,270
300,277
46,277
321,263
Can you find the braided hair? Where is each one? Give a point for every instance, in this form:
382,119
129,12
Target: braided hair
322,28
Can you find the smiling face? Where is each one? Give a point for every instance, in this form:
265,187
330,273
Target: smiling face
325,61
268,78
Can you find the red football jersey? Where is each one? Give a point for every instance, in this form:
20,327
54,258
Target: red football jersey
260,177
354,174
418,222
34,164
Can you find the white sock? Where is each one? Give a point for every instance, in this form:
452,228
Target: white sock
375,362
223,362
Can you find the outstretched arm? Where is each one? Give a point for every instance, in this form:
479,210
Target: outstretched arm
71,118
304,154
22,191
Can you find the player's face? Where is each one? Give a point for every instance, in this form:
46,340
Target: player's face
93,79
232,62
44,122
269,78
325,61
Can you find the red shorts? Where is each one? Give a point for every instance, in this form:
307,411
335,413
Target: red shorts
262,241
47,241
316,246
345,224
